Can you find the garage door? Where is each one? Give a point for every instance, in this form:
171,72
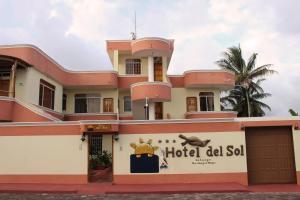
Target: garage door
270,155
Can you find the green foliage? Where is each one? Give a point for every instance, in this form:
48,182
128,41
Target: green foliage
293,113
102,159
246,98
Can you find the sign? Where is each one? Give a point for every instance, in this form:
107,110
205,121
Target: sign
180,153
98,127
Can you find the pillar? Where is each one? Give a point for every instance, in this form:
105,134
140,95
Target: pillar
151,79
150,69
152,111
116,60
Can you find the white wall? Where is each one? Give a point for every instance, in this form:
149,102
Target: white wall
105,93
43,155
107,143
28,86
177,106
296,137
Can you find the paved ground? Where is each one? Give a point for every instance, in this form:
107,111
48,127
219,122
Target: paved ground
199,196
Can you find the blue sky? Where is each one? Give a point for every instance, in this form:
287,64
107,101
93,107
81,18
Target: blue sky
73,32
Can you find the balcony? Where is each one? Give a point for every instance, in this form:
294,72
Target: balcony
210,114
154,91
152,47
209,79
90,116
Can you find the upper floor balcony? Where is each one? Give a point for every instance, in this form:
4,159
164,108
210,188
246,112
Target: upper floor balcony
209,79
152,46
153,91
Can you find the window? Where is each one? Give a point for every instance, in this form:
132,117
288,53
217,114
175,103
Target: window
191,104
87,103
47,94
133,66
108,105
64,102
127,103
95,144
206,101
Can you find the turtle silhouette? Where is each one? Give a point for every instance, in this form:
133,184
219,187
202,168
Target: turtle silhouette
194,141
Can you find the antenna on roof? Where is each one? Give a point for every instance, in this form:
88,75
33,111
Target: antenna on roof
133,34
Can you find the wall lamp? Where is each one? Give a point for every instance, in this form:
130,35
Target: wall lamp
116,136
83,137
243,127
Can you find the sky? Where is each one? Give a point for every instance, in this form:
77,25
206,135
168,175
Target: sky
73,32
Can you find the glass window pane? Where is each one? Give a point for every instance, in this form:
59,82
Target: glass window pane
93,105
203,104
127,104
80,105
133,66
210,102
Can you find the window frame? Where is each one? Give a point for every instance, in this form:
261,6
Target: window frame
87,96
44,84
124,103
133,66
187,104
207,95
104,108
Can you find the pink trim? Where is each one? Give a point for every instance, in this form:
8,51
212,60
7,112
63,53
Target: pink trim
49,179
220,79
90,116
200,115
239,177
39,60
154,91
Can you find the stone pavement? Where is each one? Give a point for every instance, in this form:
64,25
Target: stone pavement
198,196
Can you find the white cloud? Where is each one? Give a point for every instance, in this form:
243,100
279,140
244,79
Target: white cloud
73,32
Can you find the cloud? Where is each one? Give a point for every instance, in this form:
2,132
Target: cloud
73,32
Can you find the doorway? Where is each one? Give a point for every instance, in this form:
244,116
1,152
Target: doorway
100,157
158,69
159,110
4,87
270,155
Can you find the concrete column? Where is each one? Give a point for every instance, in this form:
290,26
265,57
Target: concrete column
150,69
116,60
152,111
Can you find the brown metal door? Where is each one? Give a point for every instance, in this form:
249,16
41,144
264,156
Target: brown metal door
270,155
158,110
158,73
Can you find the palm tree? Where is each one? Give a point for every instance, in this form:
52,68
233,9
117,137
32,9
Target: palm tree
293,113
248,77
247,102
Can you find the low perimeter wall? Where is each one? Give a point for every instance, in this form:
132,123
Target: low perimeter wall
43,154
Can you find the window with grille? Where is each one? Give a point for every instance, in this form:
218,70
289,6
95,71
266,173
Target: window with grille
95,144
87,103
108,105
127,103
206,101
191,104
46,94
133,66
